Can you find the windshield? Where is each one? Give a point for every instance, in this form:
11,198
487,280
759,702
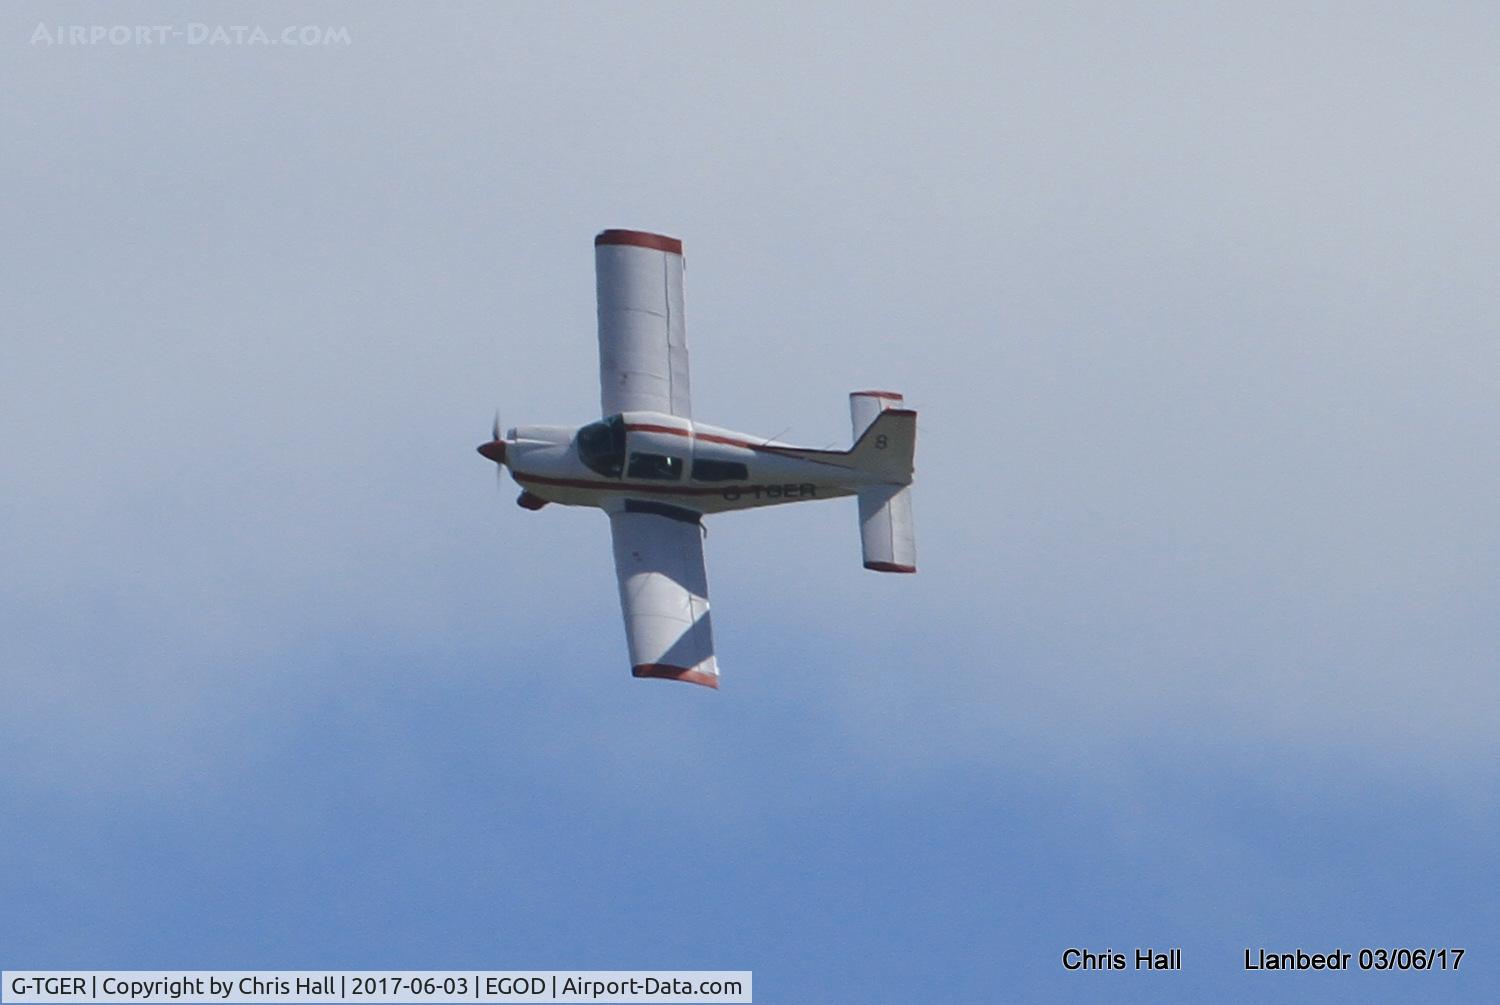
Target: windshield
601,446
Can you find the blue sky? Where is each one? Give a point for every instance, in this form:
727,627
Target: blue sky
1198,310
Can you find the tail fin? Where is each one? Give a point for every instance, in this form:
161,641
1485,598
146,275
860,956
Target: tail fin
884,444
886,440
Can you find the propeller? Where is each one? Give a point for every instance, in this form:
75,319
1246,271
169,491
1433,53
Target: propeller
495,449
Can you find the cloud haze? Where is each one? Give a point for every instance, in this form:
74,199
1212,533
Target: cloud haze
1198,310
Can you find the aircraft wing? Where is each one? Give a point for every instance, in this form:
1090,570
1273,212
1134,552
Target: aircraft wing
664,593
643,357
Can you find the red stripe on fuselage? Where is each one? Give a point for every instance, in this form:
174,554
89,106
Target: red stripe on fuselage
638,487
646,427
729,441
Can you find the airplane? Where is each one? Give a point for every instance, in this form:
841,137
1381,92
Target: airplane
656,472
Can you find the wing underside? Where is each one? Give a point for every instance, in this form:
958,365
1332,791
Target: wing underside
664,594
643,357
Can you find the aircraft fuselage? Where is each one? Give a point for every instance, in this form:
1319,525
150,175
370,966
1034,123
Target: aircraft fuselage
654,458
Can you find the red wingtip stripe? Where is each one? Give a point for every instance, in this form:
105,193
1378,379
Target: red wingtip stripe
640,239
889,567
666,671
893,395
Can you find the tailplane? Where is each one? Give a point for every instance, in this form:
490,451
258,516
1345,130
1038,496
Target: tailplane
885,443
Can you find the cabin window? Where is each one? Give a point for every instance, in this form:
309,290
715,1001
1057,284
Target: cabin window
720,471
659,467
601,446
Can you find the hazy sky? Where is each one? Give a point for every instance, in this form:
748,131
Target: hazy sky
1197,304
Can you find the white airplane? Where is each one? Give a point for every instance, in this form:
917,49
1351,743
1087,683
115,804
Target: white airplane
656,472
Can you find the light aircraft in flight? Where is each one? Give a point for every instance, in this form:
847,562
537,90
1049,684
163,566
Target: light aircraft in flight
657,473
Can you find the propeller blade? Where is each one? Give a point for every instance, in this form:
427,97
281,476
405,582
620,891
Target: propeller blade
495,449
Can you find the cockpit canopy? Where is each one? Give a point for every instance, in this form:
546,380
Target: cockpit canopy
601,446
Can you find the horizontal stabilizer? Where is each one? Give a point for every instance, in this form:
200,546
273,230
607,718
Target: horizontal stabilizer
885,528
885,441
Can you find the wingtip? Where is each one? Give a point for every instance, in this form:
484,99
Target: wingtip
639,239
889,567
665,671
